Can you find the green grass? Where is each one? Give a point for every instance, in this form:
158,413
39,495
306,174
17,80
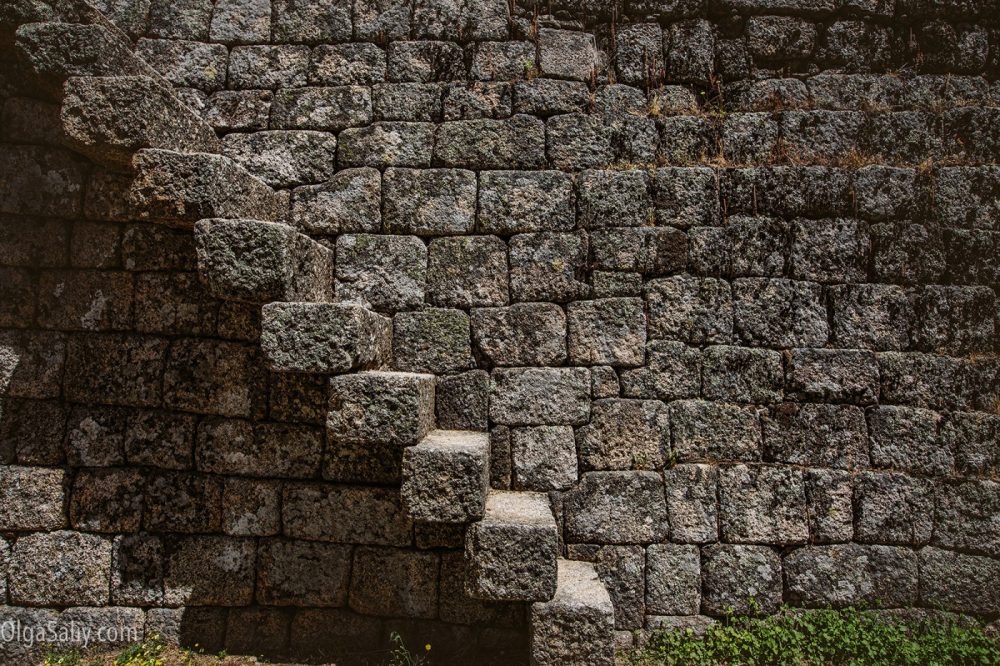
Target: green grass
848,637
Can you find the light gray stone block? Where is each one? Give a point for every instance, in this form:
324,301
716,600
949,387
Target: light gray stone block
446,477
577,625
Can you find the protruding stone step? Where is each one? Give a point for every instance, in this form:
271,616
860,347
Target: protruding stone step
110,118
327,338
258,262
511,553
179,189
8,363
373,416
446,477
577,627
54,52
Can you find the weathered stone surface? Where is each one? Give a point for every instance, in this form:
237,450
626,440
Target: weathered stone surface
387,272
110,118
238,110
732,575
956,320
673,580
827,375
578,623
435,340
545,97
871,316
477,100
302,573
779,313
548,266
241,21
576,141
462,401
975,440
347,203
186,63
323,337
467,271
425,61
257,262
446,477
738,374
32,498
608,198
515,143
374,407
429,202
691,493
816,434
831,513
266,66
702,430
690,309
686,196
525,201
311,21
543,458
345,514
625,434
762,504
210,377
519,335
958,582
567,55
284,157
259,449
251,507
540,396
321,108
927,380
61,568
616,507
638,52
115,369
906,439
851,575
610,331
964,517
347,64
621,570
210,571
381,144
893,509
511,553
672,371
106,500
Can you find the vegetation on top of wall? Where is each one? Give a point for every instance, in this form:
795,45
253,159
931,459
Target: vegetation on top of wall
848,637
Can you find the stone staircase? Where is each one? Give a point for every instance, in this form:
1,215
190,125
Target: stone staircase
114,109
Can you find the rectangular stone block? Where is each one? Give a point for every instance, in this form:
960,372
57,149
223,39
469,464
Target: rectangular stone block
513,202
893,508
283,158
830,497
761,504
233,387
851,575
515,143
779,313
689,309
906,439
740,374
608,331
673,580
373,407
350,202
609,198
511,553
394,582
446,477
345,514
265,66
387,272
429,202
815,434
540,396
467,271
543,458
115,369
964,516
60,568
974,438
672,371
251,507
708,431
576,141
616,508
733,574
106,500
958,582
31,498
872,316
384,144
182,502
625,434
832,375
578,624
462,401
324,338
692,504
434,340
330,109
548,266
302,573
284,450
210,571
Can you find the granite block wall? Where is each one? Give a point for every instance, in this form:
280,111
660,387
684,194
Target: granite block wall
717,275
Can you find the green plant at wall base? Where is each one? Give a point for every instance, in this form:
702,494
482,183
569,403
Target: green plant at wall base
401,655
848,637
71,657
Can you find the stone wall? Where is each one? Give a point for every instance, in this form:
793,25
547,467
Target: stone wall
717,276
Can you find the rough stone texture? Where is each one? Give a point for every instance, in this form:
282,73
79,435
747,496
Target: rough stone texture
323,337
294,573
511,553
616,507
317,512
540,396
690,310
739,374
446,477
816,434
834,375
578,623
691,492
673,580
350,202
907,439
60,568
625,434
609,331
372,407
710,431
525,201
394,582
467,272
462,401
387,272
893,509
851,575
284,157
959,582
779,313
435,340
762,504
672,371
543,458
734,574
519,335
429,202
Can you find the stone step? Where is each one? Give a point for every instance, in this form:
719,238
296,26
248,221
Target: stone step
577,626
373,416
51,53
111,118
511,553
178,189
256,261
324,338
446,477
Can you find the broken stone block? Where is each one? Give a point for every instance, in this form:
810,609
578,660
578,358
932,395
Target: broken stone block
761,504
429,202
543,458
511,553
616,507
350,202
710,431
435,340
691,492
540,396
690,309
388,272
851,575
467,271
62,568
323,338
258,262
522,334
673,579
578,624
625,434
732,575
446,477
513,202
609,331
